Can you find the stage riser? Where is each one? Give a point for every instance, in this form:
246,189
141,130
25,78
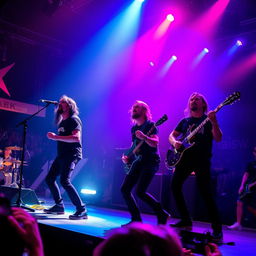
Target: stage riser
58,241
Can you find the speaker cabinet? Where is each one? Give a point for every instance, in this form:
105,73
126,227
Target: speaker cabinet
28,196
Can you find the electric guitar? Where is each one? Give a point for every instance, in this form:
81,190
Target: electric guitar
174,155
132,152
247,189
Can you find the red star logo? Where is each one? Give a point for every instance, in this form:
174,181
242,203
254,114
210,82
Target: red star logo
3,72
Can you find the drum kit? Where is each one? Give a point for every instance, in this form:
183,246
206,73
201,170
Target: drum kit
9,165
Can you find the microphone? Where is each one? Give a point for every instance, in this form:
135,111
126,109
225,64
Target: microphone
50,102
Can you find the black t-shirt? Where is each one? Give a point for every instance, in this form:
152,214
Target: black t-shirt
65,128
203,138
251,170
147,152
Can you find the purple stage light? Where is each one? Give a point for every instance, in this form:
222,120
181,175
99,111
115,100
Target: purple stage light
174,58
239,43
206,50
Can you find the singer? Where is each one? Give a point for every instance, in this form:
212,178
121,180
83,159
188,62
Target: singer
69,152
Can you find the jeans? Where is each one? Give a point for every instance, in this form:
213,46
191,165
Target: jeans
63,167
203,180
142,175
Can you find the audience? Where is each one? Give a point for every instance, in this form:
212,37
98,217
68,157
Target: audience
20,231
139,239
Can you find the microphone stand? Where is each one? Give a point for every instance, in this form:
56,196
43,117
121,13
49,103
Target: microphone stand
19,202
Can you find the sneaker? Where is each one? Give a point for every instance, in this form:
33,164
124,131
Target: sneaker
56,209
163,217
186,224
235,226
79,215
217,237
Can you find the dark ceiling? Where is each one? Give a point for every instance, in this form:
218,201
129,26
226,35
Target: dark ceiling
71,21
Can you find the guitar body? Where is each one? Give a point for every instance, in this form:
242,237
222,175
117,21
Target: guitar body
248,189
133,159
132,153
174,156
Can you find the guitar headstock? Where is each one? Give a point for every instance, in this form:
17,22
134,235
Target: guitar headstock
231,99
161,120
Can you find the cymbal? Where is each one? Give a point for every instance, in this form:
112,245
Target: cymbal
14,148
19,162
7,163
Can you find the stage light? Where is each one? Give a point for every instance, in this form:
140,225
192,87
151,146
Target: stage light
239,43
167,65
151,63
87,191
206,50
141,1
170,17
174,58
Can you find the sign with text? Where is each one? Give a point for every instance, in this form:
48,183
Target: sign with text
20,107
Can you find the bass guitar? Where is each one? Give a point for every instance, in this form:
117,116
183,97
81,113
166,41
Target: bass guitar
248,188
174,155
132,152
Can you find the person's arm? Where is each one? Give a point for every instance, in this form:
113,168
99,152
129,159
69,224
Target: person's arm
173,139
212,250
216,131
244,179
151,140
27,227
74,137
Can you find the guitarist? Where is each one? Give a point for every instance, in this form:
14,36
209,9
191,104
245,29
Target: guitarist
196,159
248,199
145,166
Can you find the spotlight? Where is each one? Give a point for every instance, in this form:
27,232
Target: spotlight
151,63
174,58
170,17
141,1
206,50
88,191
239,43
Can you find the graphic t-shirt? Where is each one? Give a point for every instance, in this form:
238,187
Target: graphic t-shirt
65,128
203,138
147,152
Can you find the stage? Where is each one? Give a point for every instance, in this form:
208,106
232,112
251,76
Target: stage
79,237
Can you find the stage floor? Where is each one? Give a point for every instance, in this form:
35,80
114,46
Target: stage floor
102,220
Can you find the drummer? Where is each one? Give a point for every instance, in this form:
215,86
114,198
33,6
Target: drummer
6,166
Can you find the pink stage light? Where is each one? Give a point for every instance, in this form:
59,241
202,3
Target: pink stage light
170,17
209,21
239,71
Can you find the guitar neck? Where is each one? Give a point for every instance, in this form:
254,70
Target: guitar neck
196,130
